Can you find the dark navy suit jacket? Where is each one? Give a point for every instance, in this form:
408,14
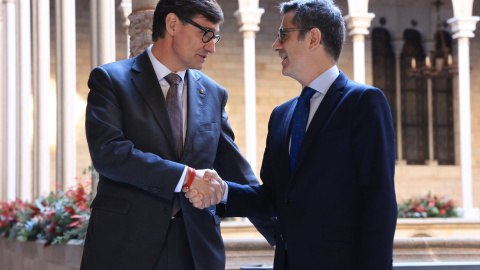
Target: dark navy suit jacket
131,143
338,208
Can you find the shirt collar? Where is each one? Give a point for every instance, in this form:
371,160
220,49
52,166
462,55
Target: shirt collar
160,69
323,82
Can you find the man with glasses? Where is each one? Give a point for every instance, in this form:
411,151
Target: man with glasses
152,122
329,161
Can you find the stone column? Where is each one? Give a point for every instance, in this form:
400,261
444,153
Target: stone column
462,28
94,33
66,90
103,42
41,89
357,25
9,102
106,31
126,7
24,92
2,99
140,30
249,19
398,46
431,154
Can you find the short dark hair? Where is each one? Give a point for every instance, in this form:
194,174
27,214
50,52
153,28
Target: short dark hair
321,14
185,10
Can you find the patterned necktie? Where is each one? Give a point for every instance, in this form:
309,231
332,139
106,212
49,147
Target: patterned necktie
175,109
299,123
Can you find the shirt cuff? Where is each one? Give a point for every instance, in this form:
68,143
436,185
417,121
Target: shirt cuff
182,180
225,196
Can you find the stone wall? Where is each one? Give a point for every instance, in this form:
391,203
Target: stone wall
436,250
34,256
475,105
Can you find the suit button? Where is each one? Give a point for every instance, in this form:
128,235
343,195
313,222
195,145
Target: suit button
167,210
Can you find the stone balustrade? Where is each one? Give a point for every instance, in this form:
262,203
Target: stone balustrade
406,228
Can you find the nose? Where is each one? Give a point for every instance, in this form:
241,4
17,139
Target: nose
276,44
210,46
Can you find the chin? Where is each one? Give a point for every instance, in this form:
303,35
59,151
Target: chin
198,66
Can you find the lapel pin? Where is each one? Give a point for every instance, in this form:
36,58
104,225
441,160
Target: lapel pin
201,91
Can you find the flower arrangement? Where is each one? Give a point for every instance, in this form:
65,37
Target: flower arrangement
57,218
428,206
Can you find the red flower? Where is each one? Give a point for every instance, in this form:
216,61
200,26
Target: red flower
35,211
51,228
50,214
70,210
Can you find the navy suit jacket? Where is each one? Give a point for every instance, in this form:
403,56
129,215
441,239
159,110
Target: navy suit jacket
131,143
338,208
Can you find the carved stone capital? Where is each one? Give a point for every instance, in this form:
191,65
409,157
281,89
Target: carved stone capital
463,26
358,24
249,19
140,31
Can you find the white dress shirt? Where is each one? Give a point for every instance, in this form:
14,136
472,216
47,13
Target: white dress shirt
161,71
321,84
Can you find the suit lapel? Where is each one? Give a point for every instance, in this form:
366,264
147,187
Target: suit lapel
196,96
145,81
323,113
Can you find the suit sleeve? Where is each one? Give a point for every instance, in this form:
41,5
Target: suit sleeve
232,166
256,200
113,155
374,153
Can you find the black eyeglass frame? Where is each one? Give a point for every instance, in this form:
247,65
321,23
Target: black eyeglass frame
281,31
206,32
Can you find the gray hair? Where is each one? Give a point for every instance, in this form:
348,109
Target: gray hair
321,14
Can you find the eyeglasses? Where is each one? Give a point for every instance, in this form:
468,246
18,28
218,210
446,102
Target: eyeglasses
282,31
207,33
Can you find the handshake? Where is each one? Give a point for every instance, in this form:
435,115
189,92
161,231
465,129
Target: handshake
204,188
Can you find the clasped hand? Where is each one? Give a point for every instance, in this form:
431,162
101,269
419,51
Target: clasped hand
207,189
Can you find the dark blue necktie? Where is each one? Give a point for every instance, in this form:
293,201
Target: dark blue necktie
299,123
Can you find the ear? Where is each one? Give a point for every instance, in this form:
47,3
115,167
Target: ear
315,39
171,22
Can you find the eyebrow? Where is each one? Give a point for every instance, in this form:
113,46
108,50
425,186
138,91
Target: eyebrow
211,29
